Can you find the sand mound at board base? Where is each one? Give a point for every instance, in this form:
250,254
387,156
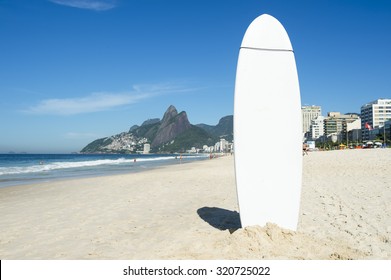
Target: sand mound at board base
269,242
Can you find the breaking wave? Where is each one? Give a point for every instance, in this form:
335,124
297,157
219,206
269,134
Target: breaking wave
46,167
43,166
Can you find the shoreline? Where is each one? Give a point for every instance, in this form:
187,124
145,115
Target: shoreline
59,174
190,211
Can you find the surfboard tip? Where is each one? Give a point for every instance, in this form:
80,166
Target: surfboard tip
266,32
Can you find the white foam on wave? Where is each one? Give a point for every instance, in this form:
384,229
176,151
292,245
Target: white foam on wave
73,164
47,167
153,159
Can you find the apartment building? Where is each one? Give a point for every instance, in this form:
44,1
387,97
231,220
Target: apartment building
317,127
339,125
374,115
309,113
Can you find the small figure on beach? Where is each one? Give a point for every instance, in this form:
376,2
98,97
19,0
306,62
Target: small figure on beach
305,149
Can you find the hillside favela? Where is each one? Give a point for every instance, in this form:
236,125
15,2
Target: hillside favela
370,128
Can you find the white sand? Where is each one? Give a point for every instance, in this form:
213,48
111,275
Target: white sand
186,211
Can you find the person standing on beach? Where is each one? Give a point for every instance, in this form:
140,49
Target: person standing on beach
305,149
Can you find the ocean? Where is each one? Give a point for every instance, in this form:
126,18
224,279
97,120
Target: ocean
17,169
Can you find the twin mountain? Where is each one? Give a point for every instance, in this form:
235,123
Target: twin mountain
173,133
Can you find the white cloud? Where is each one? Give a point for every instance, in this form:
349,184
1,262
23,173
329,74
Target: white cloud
96,5
101,101
92,103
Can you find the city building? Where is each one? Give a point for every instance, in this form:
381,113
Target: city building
309,113
222,146
387,132
147,148
379,132
353,130
373,116
337,126
317,128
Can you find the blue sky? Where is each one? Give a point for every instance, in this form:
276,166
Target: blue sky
77,70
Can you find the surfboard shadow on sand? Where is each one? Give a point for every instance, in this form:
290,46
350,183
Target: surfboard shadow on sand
219,218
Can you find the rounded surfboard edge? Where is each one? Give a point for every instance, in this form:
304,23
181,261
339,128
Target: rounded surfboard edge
267,127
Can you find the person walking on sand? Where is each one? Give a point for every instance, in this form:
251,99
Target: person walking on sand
305,149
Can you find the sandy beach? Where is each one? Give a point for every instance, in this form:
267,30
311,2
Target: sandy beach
190,211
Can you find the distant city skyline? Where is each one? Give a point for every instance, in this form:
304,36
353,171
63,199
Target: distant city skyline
75,71
372,123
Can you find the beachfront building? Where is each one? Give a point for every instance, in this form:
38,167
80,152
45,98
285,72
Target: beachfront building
147,148
377,134
208,149
308,114
223,146
353,130
373,116
387,132
337,125
317,128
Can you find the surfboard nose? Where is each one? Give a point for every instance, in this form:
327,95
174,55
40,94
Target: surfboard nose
266,32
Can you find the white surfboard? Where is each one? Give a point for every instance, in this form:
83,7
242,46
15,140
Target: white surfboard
267,127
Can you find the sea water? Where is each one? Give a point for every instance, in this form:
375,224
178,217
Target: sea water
16,169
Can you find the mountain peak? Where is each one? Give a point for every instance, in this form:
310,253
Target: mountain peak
223,129
172,125
172,134
170,113
171,108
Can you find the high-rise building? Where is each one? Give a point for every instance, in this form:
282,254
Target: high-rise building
339,125
147,148
373,115
317,127
309,113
